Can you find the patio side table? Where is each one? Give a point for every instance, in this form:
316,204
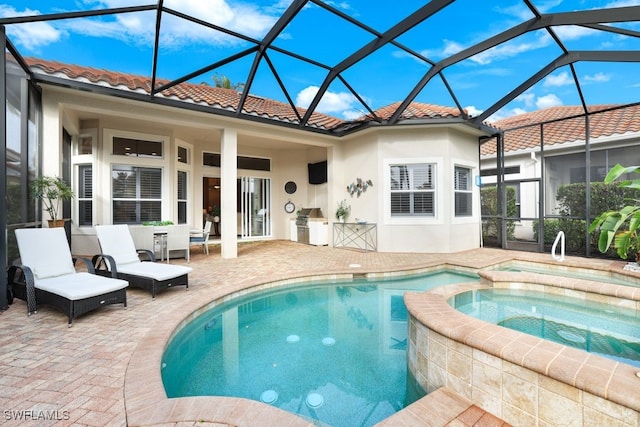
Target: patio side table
356,235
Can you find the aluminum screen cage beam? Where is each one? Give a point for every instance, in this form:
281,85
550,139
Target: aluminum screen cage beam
594,19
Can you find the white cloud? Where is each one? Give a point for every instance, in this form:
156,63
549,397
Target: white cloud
530,101
331,103
139,28
503,113
451,48
573,32
528,98
473,111
597,78
623,3
33,35
509,50
352,114
555,80
547,101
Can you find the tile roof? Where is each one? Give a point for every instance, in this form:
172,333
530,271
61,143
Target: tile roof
419,110
607,121
526,134
216,97
227,99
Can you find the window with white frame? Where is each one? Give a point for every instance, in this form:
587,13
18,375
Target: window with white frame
183,155
85,195
136,194
413,189
123,146
462,190
182,197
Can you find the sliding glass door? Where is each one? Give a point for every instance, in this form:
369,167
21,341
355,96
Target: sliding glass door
255,206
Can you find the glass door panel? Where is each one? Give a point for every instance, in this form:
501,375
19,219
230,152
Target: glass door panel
255,206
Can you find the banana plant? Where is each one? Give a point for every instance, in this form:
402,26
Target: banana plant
620,227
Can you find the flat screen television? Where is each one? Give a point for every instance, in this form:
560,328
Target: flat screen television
317,172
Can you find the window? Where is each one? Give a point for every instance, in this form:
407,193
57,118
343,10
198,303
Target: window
85,145
211,159
136,147
137,194
462,191
85,195
182,197
183,155
243,162
413,190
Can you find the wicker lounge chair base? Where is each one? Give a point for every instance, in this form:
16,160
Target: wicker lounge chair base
120,258
146,282
47,275
72,308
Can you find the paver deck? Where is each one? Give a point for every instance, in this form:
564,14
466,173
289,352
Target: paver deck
89,374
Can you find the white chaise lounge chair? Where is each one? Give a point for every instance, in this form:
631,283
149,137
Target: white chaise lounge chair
118,255
46,275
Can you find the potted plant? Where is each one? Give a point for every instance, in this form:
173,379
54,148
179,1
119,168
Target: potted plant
343,210
51,191
215,213
620,227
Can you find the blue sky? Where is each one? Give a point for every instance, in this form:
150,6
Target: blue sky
124,43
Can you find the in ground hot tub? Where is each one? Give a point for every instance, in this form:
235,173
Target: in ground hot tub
600,328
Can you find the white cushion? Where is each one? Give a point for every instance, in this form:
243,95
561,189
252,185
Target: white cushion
116,240
82,285
124,258
154,270
50,269
45,251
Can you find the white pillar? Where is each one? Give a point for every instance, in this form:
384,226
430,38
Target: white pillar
228,194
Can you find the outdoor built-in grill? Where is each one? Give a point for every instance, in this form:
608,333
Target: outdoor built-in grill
302,222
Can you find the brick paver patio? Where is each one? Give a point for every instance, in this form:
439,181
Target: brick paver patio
54,375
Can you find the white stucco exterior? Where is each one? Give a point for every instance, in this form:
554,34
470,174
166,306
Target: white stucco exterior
366,155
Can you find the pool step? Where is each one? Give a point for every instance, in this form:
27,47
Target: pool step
442,408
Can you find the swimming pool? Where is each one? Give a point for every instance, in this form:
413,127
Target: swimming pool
334,352
604,329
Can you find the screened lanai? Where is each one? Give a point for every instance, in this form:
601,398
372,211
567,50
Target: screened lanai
337,69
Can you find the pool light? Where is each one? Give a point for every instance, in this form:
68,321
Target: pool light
314,400
328,341
269,396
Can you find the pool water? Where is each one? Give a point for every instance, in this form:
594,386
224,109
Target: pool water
576,274
610,331
330,352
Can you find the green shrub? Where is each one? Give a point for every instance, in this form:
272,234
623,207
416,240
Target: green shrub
572,203
572,198
574,233
618,227
489,208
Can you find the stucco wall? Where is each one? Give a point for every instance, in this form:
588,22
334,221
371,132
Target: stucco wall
368,157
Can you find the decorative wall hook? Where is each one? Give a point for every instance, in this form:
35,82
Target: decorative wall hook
359,187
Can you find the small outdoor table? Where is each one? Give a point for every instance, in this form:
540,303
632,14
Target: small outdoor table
359,235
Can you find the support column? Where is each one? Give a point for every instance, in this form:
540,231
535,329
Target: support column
229,193
3,172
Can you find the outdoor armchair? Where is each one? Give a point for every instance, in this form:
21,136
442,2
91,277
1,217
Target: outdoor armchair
143,237
119,256
46,275
177,239
202,239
